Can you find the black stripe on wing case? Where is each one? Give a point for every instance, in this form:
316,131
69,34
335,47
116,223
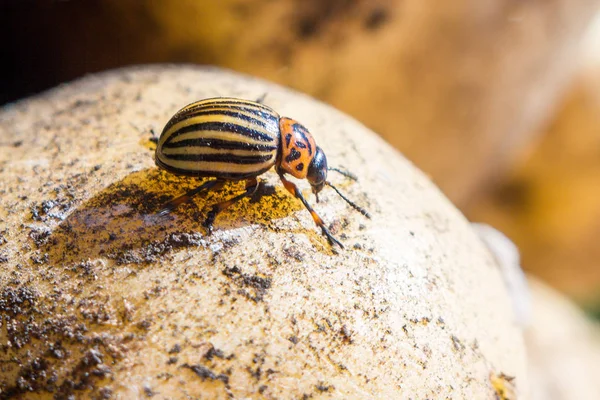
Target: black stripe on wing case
223,127
229,113
225,158
220,144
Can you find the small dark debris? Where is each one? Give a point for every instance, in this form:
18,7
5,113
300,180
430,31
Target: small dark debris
40,259
346,335
55,209
175,349
155,249
148,391
457,344
205,373
321,387
85,268
294,339
105,393
145,324
89,369
92,357
294,252
56,351
255,373
172,360
39,235
259,284
212,352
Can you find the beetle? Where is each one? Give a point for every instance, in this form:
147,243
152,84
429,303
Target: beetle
232,139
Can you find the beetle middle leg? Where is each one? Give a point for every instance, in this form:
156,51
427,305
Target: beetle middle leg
293,189
251,187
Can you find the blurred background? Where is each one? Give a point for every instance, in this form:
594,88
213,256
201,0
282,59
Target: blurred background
497,100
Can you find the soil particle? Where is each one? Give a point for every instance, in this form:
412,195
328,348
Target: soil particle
39,235
205,373
253,287
175,349
322,387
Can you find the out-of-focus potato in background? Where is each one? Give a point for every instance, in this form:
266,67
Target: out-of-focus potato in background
491,98
549,202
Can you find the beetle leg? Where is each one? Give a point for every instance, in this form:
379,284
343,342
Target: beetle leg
177,201
293,189
251,187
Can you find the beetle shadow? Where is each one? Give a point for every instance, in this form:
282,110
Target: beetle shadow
121,221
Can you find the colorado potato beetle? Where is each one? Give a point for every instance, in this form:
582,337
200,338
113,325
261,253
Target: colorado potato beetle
232,139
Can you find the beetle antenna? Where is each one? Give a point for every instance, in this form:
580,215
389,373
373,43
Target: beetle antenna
262,98
347,174
354,205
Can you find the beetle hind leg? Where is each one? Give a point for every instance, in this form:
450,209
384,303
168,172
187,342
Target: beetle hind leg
251,188
177,201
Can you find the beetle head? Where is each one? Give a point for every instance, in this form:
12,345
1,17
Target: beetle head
317,171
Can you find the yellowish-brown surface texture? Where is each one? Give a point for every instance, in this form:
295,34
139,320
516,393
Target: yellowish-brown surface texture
100,296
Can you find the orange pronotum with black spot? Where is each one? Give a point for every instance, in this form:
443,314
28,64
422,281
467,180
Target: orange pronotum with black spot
298,148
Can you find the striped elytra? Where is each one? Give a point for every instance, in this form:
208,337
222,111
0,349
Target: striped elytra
222,137
233,139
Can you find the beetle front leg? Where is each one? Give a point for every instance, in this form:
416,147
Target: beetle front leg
251,187
293,189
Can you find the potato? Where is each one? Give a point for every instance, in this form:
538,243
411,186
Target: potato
102,297
550,202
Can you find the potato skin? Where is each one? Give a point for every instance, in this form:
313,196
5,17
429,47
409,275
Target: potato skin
101,297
